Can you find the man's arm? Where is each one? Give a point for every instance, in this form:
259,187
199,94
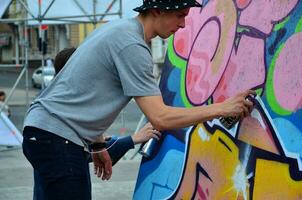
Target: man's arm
164,117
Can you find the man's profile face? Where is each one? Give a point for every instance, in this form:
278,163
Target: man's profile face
170,21
2,98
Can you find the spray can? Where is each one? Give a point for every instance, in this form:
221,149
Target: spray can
147,148
229,122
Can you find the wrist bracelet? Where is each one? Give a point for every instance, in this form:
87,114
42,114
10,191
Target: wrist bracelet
96,146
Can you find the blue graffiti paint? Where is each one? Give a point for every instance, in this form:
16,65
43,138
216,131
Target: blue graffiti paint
162,173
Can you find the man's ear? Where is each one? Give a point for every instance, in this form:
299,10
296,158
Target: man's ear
155,12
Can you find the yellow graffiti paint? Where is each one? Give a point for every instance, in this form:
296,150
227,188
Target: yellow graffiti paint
220,176
273,181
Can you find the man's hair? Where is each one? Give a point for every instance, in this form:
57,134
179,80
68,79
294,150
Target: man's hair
62,58
2,93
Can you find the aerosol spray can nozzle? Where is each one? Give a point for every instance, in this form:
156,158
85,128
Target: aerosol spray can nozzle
147,148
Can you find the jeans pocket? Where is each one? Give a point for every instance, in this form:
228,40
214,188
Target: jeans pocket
75,160
42,154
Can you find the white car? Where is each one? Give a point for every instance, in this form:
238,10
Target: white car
42,76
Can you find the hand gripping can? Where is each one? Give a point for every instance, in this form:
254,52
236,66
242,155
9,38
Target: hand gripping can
229,122
147,148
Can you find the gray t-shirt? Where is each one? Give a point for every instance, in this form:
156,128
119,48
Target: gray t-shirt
111,66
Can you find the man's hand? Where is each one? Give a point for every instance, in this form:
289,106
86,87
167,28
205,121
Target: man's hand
238,105
102,164
145,133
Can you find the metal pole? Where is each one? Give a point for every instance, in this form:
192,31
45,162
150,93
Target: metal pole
94,14
108,9
26,63
13,89
121,8
25,46
10,65
76,16
17,49
13,20
41,32
63,18
83,10
49,6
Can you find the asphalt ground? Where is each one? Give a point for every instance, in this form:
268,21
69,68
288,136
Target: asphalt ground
16,179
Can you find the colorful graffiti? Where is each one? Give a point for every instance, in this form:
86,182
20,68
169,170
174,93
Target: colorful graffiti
229,46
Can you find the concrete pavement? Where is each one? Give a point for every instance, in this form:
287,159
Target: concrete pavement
16,179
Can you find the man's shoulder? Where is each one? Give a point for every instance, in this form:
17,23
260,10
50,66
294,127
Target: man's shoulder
125,33
117,35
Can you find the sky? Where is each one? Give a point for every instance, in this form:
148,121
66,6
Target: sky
61,8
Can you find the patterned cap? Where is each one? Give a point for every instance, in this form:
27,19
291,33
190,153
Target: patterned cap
167,4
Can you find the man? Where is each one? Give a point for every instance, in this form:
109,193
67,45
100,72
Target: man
117,146
62,57
3,107
112,65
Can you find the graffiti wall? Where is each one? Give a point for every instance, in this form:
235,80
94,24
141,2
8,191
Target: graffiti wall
229,46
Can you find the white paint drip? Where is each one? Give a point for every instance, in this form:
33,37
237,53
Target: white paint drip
240,179
203,135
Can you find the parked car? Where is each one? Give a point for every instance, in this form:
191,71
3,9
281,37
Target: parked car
42,76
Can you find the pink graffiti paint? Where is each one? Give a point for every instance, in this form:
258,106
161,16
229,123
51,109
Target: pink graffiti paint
245,70
185,37
263,14
201,79
200,193
208,45
288,74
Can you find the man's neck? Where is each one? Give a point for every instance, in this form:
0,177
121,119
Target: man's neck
149,31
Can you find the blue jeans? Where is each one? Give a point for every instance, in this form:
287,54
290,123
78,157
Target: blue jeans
61,170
